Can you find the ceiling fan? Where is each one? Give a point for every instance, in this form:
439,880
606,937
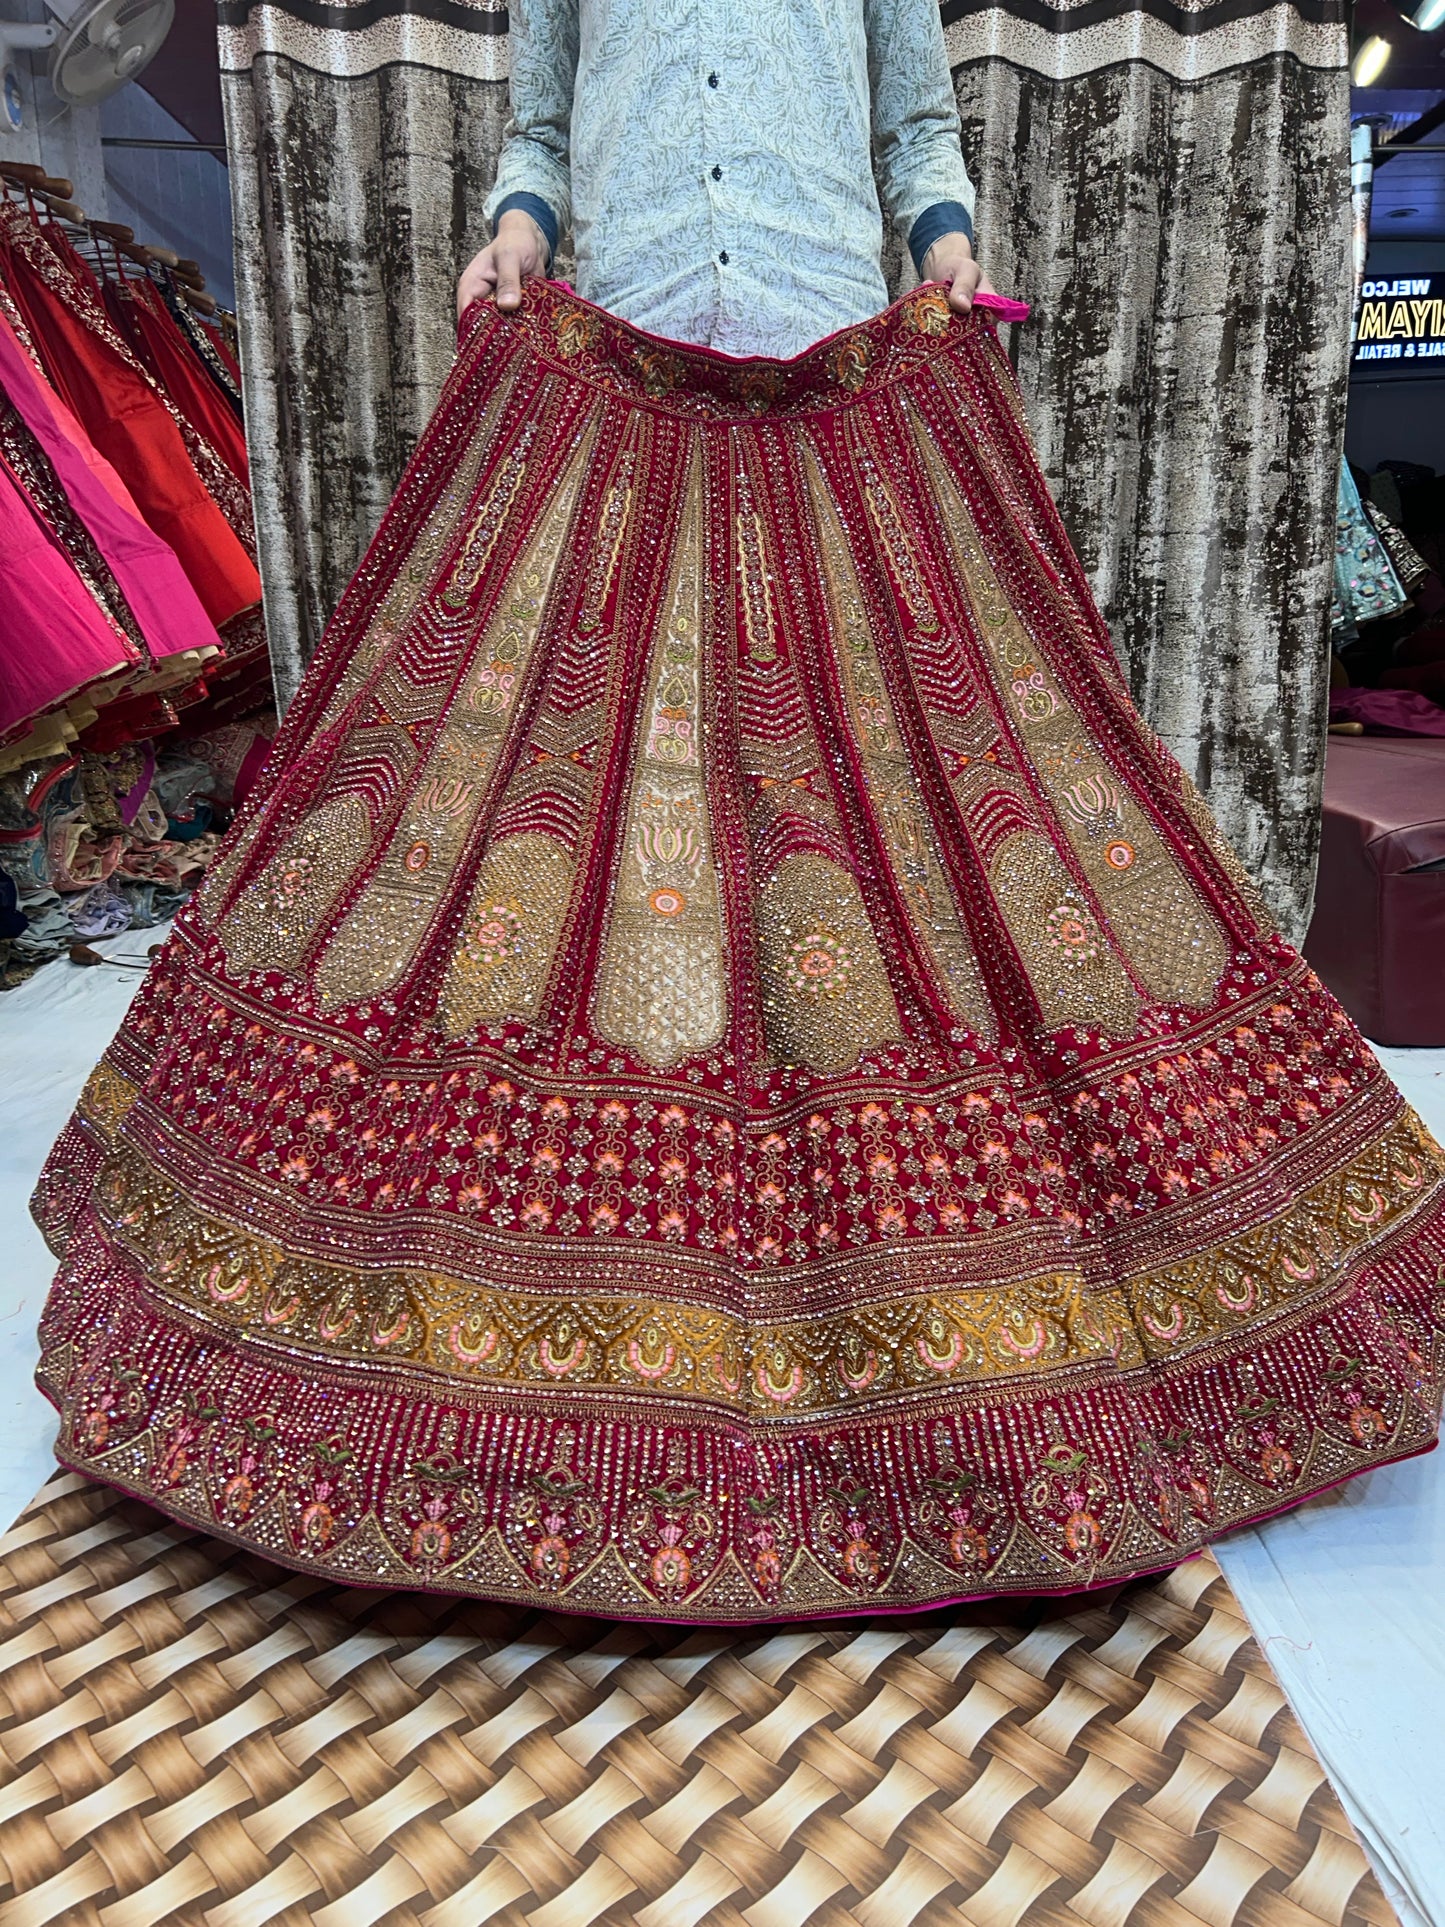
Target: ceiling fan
95,47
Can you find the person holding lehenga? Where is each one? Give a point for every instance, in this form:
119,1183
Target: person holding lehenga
724,1074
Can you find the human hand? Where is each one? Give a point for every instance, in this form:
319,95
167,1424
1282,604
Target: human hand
519,253
951,261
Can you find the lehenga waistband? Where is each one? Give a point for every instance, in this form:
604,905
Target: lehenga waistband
683,378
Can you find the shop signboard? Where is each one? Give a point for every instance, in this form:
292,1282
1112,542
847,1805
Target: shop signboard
1401,327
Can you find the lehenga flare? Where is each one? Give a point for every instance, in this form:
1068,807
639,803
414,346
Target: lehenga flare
724,1073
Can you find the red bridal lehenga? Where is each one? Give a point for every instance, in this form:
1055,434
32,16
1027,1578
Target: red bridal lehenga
724,1073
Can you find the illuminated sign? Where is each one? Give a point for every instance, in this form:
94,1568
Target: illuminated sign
1401,329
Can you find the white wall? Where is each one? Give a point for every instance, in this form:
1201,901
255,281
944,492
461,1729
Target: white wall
180,200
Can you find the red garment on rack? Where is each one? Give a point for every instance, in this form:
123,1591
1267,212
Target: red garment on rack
124,416
148,325
222,347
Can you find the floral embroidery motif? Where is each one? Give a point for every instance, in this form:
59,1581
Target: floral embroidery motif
819,965
929,312
669,1534
324,1497
960,1518
807,901
508,935
109,1400
432,1512
1175,1481
767,1540
1071,1505
107,1097
1077,976
848,362
758,388
660,372
1268,1441
269,927
854,1533
244,1466
578,330
555,1523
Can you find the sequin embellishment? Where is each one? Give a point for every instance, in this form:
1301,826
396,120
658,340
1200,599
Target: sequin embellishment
661,988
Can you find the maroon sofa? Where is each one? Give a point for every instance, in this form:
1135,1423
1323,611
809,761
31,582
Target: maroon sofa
1378,933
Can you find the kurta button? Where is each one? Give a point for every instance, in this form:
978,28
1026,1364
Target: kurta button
717,173
712,80
723,257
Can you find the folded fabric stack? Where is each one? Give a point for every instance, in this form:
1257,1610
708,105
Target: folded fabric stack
114,840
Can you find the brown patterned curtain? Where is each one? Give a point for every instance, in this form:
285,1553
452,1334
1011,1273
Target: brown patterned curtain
363,139
1168,184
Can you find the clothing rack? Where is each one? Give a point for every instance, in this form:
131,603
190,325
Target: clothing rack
135,701
54,194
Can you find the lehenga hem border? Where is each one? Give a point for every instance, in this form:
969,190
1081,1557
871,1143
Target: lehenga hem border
1059,1493
785,1616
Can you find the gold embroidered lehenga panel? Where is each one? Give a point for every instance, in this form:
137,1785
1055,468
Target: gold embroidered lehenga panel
661,987
908,836
382,931
725,1074
525,887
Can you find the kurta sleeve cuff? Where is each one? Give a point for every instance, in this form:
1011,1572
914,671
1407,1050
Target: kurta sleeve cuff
944,217
543,215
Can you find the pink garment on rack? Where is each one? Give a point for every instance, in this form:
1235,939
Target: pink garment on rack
146,568
66,422
54,640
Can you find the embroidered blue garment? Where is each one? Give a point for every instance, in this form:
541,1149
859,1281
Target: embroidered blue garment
1366,585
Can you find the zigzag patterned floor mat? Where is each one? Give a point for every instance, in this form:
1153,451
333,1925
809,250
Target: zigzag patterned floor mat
188,1735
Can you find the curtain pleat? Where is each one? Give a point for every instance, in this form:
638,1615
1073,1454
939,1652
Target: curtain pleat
355,198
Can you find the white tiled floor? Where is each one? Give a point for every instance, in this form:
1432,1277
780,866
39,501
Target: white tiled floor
1347,1593
52,1029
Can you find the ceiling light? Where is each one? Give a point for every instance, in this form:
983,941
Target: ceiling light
1371,59
1429,15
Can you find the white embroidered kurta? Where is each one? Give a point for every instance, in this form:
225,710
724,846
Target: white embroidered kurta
714,161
